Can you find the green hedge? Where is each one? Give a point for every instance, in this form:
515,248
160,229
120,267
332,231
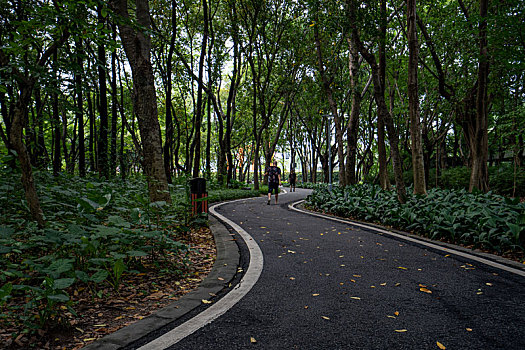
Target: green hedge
487,220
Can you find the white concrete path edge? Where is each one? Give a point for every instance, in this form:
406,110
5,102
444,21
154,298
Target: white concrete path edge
410,239
226,302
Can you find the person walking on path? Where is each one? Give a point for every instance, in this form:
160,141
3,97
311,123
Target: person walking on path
292,178
274,179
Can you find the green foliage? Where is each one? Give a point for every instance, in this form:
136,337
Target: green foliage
483,220
220,195
96,232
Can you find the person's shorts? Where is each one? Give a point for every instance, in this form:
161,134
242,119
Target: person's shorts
273,186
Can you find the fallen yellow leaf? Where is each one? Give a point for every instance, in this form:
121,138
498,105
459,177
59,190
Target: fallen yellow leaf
383,284
357,276
425,290
402,268
204,301
292,278
396,313
469,329
400,330
390,316
326,318
252,340
441,346
315,294
356,298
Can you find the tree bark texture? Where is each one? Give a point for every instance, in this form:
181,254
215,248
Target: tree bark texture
102,164
479,126
383,112
413,102
353,123
333,108
137,46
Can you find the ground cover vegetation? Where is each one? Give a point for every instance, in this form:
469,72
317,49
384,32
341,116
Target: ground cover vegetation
107,108
101,238
480,220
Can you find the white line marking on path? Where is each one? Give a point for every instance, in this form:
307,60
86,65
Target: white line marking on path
415,240
226,302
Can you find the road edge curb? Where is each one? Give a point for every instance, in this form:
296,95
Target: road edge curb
485,258
225,267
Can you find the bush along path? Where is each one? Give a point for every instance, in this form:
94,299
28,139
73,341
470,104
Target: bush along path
487,221
106,258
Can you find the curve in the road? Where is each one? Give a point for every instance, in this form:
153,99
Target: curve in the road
225,303
494,264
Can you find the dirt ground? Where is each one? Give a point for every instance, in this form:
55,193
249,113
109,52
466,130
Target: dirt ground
139,295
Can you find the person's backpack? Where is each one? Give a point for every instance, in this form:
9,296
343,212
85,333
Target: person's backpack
273,174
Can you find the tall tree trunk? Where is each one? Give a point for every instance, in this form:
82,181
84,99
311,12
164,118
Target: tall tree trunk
114,106
382,110
353,123
333,108
168,142
413,101
80,109
41,157
20,114
92,133
198,117
137,46
26,86
102,165
57,158
478,127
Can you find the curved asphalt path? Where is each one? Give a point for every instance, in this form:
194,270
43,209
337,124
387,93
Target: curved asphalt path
331,285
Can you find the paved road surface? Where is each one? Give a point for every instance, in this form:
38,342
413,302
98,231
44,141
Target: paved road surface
329,285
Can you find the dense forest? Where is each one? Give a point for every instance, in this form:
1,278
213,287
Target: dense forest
370,90
416,110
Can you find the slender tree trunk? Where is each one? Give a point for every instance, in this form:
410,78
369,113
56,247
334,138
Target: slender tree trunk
41,151
137,45
413,97
102,164
20,114
57,158
333,107
114,108
198,117
80,110
382,110
92,131
353,123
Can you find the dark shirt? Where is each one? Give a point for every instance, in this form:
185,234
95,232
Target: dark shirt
273,174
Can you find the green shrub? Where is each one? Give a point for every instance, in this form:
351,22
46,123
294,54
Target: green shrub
501,180
487,220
